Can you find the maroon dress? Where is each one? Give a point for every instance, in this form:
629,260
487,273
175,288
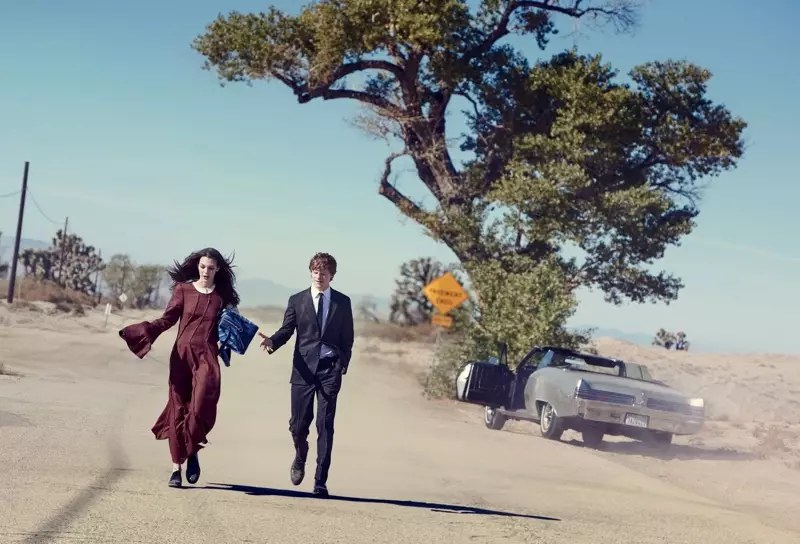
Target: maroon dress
194,372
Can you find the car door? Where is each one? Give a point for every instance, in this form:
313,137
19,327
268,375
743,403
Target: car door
484,383
530,384
525,368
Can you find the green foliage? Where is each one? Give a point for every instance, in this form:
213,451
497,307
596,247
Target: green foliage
515,303
68,262
576,179
522,305
139,283
146,283
118,275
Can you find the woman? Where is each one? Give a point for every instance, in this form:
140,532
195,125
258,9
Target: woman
203,286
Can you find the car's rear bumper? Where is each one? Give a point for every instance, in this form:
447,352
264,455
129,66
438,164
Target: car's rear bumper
657,420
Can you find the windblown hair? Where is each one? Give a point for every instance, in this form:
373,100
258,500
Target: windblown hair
323,260
225,279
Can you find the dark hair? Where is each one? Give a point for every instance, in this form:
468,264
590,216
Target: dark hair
323,260
224,280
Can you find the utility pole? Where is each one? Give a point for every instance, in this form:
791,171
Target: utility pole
61,258
13,279
97,277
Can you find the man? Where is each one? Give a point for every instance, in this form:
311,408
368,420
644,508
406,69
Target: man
323,319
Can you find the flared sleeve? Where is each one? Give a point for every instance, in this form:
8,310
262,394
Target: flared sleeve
140,336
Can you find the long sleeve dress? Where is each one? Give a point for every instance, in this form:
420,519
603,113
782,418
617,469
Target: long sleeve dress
194,371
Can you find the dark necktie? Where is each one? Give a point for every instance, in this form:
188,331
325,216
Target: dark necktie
319,311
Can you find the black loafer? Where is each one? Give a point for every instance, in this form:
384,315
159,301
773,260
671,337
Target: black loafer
192,469
321,491
176,480
297,472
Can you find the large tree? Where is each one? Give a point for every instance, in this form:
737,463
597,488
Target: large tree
574,178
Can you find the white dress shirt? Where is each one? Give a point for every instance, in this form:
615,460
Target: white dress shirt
326,350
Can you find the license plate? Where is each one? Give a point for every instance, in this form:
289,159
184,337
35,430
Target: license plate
635,420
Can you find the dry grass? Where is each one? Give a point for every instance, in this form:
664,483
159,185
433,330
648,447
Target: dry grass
389,332
64,300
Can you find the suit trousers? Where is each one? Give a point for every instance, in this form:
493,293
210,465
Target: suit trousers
326,386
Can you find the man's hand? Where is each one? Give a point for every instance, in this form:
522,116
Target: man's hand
266,343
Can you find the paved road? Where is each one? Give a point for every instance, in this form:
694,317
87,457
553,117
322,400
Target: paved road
79,465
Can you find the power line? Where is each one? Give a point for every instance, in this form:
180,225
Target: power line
33,199
15,193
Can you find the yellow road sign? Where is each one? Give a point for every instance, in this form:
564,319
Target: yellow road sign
445,293
442,320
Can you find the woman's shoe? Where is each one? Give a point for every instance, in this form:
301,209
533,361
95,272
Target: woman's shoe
176,480
192,469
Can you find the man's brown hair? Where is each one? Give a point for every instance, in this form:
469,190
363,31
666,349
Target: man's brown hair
323,260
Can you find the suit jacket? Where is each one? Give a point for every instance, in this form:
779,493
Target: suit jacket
300,316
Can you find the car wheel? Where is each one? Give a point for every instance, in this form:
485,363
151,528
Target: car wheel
493,419
592,438
550,424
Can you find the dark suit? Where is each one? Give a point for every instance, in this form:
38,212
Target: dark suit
313,376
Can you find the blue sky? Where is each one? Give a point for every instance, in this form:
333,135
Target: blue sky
148,155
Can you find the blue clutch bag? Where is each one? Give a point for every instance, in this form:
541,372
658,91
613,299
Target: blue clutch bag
235,334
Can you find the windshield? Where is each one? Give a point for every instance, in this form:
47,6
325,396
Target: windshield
639,372
586,364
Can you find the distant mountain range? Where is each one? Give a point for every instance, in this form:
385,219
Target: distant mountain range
263,292
7,248
638,338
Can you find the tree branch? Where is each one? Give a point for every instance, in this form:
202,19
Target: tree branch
623,15
408,207
306,91
500,31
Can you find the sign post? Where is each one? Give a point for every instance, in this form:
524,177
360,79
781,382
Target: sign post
106,313
445,294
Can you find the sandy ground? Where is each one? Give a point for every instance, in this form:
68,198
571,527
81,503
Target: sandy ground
78,462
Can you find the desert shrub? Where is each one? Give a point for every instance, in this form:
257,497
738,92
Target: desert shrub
667,340
68,262
366,309
31,290
5,371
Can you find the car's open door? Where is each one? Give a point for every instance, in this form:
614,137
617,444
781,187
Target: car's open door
484,383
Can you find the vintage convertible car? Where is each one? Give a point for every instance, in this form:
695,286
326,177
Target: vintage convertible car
563,389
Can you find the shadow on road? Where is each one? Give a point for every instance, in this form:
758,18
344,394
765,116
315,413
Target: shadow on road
675,451
434,507
54,528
